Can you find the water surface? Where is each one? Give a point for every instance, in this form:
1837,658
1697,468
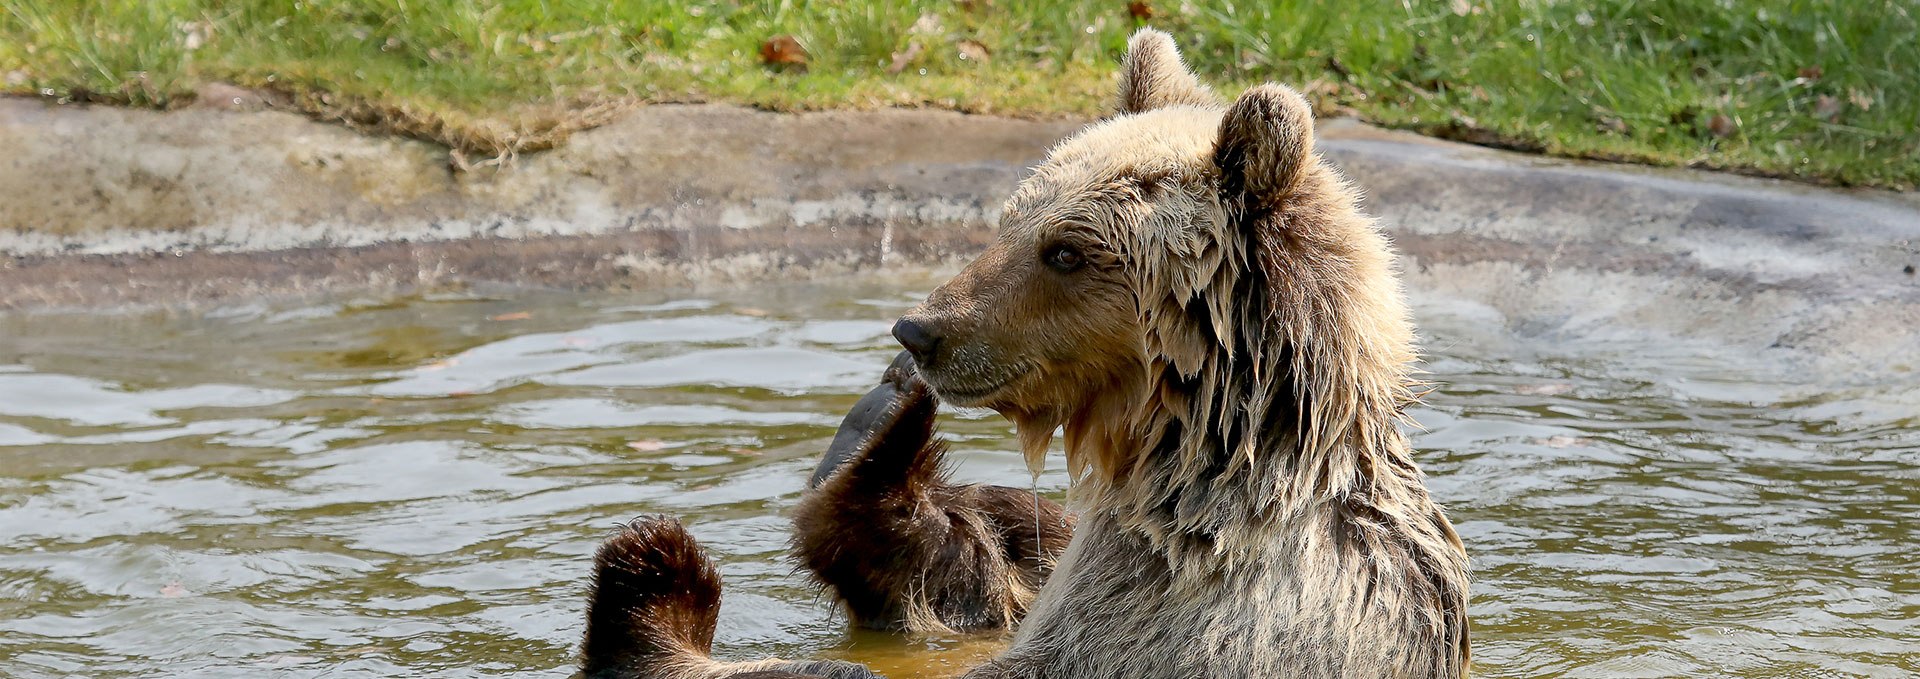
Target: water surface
414,487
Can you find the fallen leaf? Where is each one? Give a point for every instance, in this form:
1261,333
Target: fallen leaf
783,50
1826,108
513,316
172,590
1860,99
1140,9
194,34
901,59
1720,125
1812,72
927,24
973,50
648,445
1550,389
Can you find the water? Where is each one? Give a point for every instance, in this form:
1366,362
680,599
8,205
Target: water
414,487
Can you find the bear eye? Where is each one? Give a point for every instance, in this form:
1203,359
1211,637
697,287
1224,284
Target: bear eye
1062,258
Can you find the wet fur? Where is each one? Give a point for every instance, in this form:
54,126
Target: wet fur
902,547
1229,366
652,610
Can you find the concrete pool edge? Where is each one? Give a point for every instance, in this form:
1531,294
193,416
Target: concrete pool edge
104,207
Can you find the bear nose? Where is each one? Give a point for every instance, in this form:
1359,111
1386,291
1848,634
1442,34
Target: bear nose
917,338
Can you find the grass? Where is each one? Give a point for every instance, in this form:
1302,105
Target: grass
1816,90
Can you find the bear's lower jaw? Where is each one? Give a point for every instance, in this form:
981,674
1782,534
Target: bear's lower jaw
966,398
969,395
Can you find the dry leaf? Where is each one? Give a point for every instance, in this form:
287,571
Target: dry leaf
1859,99
973,50
927,24
783,50
1826,108
1551,389
1812,72
901,59
513,316
1140,9
194,34
648,445
1720,125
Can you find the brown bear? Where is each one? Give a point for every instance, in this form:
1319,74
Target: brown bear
1193,295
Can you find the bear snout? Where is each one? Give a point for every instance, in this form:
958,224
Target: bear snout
919,338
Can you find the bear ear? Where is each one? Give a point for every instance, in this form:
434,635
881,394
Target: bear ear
1152,76
1266,143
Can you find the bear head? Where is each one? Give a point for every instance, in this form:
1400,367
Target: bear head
1157,246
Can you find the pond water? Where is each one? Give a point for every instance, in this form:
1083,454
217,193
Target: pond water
413,487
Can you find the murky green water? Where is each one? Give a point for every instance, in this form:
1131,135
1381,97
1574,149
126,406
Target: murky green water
413,488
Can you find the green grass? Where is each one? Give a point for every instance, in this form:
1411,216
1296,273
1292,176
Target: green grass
1825,91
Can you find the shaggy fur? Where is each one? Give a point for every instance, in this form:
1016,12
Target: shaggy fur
1152,76
1194,296
903,548
653,607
